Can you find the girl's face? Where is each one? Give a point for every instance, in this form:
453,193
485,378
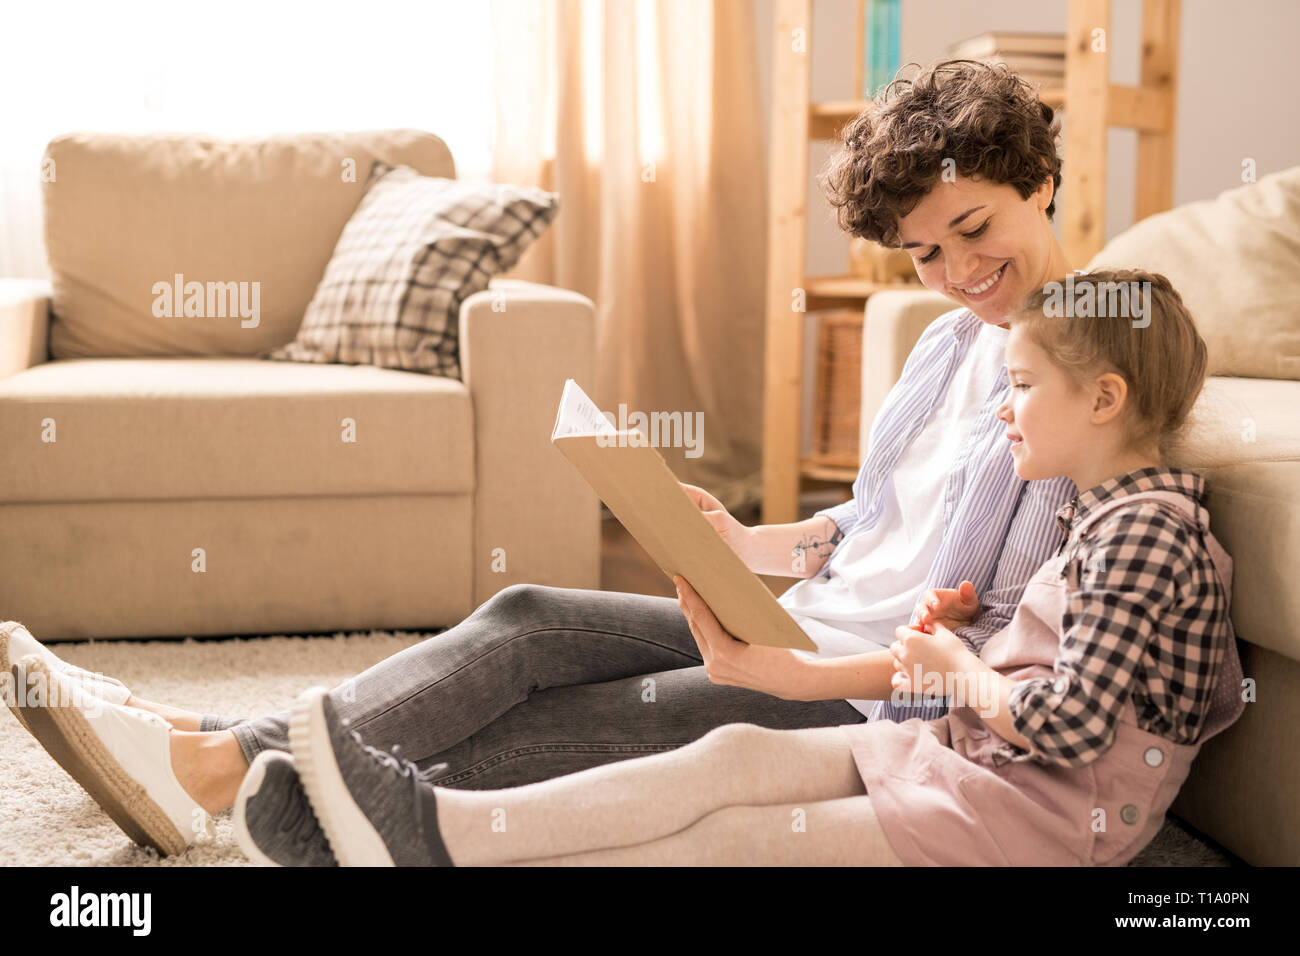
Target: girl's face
1048,414
983,246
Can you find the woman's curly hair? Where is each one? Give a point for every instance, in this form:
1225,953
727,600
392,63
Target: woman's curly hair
982,116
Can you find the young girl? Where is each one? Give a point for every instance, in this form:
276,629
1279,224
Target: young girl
1118,664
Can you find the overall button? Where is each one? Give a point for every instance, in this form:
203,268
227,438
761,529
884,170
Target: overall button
1154,756
1129,813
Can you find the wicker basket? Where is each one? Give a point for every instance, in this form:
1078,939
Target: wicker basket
838,403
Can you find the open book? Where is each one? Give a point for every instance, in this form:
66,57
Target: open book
633,479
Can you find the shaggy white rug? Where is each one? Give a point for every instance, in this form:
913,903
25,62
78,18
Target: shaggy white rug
47,819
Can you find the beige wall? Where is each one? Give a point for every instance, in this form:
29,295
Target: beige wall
1235,95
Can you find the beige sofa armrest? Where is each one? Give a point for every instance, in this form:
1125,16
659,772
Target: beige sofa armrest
519,341
892,324
24,324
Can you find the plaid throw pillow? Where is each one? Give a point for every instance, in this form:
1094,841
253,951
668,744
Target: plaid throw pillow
416,247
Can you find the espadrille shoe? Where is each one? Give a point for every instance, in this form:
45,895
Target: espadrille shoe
120,755
16,642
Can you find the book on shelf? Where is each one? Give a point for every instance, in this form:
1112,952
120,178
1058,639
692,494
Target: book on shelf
635,482
1044,65
1044,80
988,44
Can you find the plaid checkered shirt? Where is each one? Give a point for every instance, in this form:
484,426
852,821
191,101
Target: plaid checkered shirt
1148,619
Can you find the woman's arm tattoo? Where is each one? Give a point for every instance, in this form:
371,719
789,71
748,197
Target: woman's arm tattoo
820,545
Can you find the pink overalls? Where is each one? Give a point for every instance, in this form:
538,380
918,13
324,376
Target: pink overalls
942,799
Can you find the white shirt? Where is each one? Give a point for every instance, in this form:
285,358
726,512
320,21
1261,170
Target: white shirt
871,582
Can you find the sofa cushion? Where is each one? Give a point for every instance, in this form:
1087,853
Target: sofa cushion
1242,436
125,216
415,249
1236,262
74,571
1240,420
136,429
1255,513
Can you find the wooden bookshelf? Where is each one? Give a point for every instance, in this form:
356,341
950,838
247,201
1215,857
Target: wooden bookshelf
826,118
1092,103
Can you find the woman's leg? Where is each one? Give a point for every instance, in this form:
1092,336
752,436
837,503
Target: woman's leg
524,639
179,718
635,803
568,729
209,766
435,694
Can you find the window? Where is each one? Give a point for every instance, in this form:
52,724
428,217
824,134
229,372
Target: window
234,68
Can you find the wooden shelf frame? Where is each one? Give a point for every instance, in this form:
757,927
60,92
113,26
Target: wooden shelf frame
1094,106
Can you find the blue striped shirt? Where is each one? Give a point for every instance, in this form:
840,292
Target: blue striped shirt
997,528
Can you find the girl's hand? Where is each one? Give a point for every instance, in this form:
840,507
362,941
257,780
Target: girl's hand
739,537
929,663
732,663
952,609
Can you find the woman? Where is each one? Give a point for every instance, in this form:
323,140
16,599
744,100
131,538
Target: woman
959,166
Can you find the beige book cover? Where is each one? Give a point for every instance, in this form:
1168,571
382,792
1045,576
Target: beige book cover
632,478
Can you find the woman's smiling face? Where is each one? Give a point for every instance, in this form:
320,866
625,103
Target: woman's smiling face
981,245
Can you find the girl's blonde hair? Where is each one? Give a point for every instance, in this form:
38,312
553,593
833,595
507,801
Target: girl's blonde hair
1136,326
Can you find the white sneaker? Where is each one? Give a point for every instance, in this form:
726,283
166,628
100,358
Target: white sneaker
120,755
16,642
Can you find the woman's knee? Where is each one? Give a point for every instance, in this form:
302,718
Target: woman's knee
518,602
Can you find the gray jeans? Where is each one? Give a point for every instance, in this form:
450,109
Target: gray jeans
539,682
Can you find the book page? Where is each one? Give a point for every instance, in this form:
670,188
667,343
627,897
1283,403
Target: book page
578,414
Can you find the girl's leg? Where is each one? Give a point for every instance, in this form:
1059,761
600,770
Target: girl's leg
843,832
640,801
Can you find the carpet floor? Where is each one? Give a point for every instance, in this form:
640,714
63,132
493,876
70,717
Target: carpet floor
46,819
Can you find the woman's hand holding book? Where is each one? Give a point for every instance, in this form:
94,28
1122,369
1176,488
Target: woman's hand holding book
739,537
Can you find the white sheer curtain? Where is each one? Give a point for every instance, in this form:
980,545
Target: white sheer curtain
232,68
645,116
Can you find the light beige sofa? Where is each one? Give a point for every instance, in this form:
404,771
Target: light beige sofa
158,479
1236,262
